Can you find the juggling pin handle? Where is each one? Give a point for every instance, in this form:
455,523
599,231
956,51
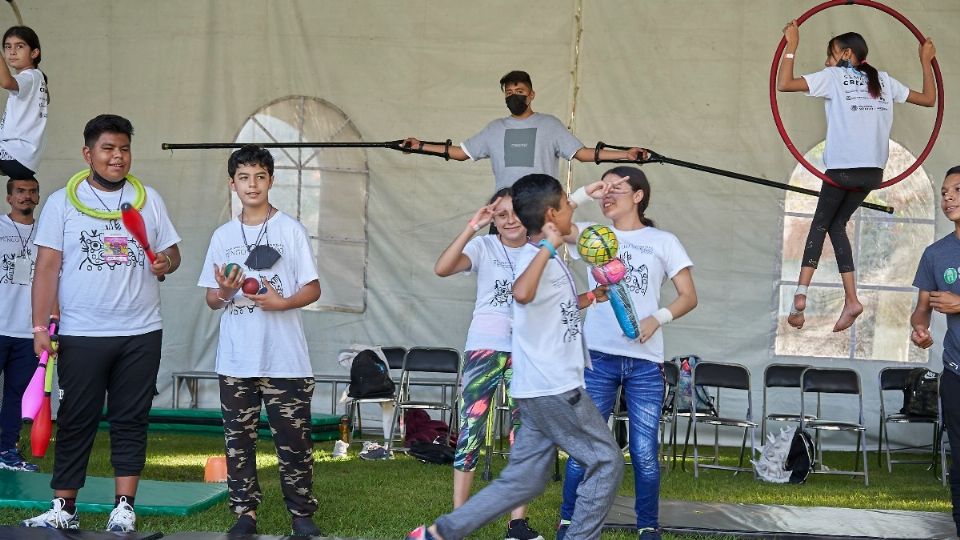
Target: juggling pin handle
33,395
133,221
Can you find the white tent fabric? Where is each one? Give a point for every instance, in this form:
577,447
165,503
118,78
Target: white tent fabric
686,78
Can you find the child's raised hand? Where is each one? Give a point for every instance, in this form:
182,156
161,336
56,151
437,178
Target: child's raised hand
927,51
552,233
484,215
597,190
792,33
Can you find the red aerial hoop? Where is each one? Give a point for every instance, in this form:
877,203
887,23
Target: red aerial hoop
776,110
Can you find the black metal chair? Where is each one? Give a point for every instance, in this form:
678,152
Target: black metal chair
895,378
394,356
673,411
429,360
668,413
780,376
834,381
723,377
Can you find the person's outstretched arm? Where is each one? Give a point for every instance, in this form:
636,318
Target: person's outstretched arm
786,82
927,98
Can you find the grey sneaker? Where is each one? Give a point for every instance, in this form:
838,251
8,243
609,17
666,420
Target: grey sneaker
12,460
375,452
122,518
649,533
54,518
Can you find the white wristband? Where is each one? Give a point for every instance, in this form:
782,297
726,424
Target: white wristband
663,316
789,55
580,197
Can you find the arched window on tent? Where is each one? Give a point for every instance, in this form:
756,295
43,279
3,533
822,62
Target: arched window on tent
886,251
324,188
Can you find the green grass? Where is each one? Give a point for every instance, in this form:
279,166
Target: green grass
387,499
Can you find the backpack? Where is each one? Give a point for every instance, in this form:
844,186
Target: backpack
684,388
921,393
787,458
370,377
419,426
436,453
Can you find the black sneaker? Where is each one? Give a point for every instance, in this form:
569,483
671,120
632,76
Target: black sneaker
519,529
650,533
304,526
562,529
246,524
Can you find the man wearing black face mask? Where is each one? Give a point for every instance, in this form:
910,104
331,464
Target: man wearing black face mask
524,142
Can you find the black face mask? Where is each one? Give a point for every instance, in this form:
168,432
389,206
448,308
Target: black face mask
262,257
844,64
517,104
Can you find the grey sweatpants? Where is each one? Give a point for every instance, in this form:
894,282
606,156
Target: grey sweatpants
572,422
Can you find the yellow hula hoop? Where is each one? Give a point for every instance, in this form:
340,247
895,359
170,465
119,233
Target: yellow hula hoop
74,183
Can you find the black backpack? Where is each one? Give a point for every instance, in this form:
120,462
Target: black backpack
801,457
436,452
920,393
370,377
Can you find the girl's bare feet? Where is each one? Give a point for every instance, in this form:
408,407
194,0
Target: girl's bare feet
795,319
849,314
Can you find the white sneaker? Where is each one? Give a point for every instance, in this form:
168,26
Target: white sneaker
122,518
54,518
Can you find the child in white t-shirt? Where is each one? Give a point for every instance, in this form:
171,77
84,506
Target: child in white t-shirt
859,104
549,357
260,270
487,361
24,124
651,257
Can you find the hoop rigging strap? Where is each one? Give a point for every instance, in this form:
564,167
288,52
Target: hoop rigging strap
391,145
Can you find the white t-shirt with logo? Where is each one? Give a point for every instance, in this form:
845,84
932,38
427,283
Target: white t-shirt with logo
652,257
253,342
106,287
18,256
548,349
496,268
858,125
23,129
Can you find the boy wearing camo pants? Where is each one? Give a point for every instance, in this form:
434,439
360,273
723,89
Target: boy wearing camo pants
260,270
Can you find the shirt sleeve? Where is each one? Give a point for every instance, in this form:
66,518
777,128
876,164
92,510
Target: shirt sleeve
474,251
676,258
25,81
166,234
818,84
565,143
306,261
214,256
925,279
50,225
478,146
898,91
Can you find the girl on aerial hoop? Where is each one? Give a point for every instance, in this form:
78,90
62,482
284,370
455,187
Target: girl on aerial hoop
859,104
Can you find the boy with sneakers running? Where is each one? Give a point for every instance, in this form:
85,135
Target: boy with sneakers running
110,332
548,363
17,361
262,356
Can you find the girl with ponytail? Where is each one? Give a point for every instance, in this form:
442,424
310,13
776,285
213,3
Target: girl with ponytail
651,257
859,104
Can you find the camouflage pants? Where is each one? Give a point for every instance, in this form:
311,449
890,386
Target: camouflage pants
288,411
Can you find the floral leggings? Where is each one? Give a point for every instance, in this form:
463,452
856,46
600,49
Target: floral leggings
482,372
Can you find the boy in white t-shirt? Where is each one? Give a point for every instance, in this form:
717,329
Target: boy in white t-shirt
549,357
17,361
110,327
260,270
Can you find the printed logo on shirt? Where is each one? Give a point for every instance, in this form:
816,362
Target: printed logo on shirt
519,147
637,278
950,275
502,293
105,249
570,317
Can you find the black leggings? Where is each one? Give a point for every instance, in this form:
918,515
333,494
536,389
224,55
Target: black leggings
950,402
834,209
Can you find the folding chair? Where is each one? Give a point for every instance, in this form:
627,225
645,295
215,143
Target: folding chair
728,377
834,381
895,378
427,360
780,376
394,356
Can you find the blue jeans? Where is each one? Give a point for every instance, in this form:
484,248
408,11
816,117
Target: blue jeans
642,382
17,362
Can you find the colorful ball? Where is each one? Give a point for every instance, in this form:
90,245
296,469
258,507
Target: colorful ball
610,273
228,269
597,245
251,285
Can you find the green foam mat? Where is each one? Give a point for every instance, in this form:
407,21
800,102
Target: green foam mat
32,490
323,427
